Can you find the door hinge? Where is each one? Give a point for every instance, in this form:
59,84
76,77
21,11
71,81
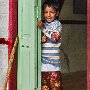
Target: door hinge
36,11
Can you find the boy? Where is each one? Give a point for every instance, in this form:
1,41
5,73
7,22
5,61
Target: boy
51,42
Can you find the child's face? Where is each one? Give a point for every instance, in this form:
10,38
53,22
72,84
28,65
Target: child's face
50,14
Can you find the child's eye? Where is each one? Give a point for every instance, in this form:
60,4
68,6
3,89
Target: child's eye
52,12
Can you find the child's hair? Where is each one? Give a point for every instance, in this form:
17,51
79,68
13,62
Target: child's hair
51,3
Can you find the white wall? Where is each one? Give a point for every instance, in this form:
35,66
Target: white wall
4,19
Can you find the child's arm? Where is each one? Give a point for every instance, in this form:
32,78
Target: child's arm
44,38
40,24
54,34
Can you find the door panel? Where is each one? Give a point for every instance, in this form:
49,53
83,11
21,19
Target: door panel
29,46
25,57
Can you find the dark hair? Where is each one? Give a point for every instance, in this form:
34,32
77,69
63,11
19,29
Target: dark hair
51,3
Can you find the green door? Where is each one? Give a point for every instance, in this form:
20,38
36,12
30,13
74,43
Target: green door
29,48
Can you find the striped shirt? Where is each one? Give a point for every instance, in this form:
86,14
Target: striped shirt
51,48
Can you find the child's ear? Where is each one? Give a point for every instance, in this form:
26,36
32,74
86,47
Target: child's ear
57,13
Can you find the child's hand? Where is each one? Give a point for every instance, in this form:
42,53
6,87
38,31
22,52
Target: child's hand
44,39
40,24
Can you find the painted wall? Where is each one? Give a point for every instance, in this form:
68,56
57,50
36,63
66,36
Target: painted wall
8,32
88,45
67,12
4,17
74,40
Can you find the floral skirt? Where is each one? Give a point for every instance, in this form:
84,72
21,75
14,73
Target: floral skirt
51,81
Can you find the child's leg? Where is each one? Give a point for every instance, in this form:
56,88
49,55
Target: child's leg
45,81
55,80
51,81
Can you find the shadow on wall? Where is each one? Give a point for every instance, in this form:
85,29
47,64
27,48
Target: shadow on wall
65,61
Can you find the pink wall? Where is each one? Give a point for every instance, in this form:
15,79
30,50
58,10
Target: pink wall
88,45
13,26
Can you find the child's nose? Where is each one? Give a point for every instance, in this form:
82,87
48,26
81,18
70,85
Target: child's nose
48,14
